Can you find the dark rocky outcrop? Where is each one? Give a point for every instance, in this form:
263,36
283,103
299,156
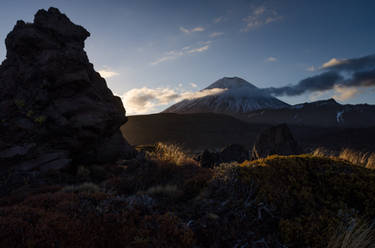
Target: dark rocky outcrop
275,140
230,153
55,109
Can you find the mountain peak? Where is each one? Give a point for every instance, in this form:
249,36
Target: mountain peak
231,83
240,97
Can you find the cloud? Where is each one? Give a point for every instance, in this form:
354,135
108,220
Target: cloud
346,77
145,100
260,16
311,68
344,93
333,62
172,55
218,19
271,59
351,65
321,82
107,73
216,34
362,78
193,85
188,31
199,49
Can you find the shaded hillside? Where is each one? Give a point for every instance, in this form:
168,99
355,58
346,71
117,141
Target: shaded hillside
326,113
192,131
207,130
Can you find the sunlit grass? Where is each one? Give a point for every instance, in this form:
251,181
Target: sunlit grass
364,159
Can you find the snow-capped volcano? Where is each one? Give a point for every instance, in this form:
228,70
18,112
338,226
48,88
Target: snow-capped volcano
238,97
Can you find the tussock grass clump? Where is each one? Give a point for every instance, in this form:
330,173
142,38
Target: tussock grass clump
358,234
170,153
364,159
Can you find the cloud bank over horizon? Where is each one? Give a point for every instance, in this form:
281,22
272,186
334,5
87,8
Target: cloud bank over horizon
144,100
347,77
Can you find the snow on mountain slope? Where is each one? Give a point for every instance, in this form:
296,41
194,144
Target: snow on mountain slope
238,97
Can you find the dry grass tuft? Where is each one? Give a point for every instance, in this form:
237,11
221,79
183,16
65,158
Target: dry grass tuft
364,159
170,153
358,235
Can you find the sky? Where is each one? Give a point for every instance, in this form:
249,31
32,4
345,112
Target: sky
156,52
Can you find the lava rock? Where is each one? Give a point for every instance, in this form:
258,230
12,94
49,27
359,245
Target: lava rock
230,153
234,152
275,140
208,159
54,107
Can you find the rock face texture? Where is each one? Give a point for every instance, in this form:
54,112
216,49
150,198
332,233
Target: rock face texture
275,140
55,109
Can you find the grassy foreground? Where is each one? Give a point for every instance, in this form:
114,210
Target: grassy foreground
167,200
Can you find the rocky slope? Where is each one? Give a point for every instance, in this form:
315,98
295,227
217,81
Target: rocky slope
55,109
238,97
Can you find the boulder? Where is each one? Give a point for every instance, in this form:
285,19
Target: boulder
208,159
55,109
234,152
275,140
230,153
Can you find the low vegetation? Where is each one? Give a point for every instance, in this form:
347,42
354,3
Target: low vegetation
358,234
170,153
167,200
365,159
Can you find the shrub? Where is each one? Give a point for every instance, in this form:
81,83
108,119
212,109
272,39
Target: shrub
171,192
308,192
91,220
83,173
82,188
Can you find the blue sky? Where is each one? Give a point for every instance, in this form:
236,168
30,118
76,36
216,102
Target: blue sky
165,48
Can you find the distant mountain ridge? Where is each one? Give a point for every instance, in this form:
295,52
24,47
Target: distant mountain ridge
245,101
324,113
239,97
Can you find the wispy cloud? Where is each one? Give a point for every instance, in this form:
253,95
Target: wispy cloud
271,59
107,73
310,68
193,85
199,49
189,31
216,34
172,55
333,62
218,19
260,16
146,100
